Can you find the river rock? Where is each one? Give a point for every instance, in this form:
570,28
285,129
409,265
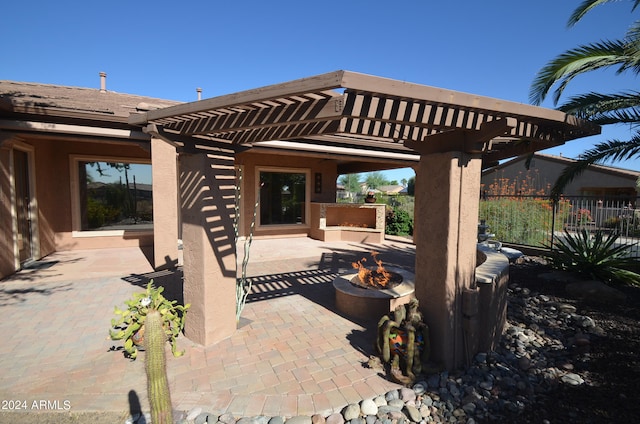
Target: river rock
407,394
351,411
318,419
206,418
412,413
572,379
299,419
368,407
379,400
227,418
335,419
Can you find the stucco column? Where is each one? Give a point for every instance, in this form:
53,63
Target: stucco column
207,206
447,189
165,204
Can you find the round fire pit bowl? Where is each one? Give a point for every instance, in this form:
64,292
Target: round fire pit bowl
371,303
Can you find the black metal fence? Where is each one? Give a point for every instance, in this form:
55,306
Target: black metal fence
534,220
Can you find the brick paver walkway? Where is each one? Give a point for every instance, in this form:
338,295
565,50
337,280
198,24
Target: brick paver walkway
292,355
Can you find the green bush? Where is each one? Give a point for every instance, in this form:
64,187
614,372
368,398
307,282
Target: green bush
99,214
399,223
594,255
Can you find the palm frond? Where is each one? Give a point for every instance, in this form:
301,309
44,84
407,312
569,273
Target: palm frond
632,39
617,117
603,109
588,5
574,62
614,150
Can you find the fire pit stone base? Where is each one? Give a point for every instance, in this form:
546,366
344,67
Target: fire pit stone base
371,303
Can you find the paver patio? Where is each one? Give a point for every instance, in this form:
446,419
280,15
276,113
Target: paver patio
292,355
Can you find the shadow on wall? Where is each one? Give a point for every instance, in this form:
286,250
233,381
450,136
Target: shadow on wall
208,202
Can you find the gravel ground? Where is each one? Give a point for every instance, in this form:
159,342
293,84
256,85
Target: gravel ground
610,364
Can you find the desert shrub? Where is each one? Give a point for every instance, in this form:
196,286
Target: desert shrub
595,255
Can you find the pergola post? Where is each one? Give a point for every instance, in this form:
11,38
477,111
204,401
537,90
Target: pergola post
165,204
447,202
207,206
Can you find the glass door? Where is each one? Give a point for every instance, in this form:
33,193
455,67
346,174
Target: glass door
23,205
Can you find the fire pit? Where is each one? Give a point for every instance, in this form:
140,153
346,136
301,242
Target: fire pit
371,292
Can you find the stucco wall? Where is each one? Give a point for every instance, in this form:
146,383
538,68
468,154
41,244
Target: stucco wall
52,158
251,161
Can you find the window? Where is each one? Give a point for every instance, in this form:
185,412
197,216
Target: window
113,196
283,197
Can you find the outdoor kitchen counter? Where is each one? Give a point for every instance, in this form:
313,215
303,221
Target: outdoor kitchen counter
360,222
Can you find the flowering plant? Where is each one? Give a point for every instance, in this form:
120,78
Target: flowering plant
129,325
583,216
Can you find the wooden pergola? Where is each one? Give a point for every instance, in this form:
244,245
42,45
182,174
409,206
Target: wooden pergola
451,134
350,109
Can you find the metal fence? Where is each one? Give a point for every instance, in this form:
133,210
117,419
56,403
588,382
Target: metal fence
533,220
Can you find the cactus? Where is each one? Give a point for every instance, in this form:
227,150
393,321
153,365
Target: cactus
411,335
411,348
155,365
379,340
386,338
399,314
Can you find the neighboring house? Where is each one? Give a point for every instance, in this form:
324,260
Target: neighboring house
600,181
392,189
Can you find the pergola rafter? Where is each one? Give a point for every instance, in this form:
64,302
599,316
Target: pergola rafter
349,109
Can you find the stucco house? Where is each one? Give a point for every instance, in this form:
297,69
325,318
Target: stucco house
52,136
604,182
289,142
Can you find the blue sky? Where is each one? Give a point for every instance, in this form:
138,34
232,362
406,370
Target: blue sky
167,49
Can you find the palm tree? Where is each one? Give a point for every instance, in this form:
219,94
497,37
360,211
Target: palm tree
599,108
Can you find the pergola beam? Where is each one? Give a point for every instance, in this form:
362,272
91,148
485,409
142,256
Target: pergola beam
319,83
468,141
518,148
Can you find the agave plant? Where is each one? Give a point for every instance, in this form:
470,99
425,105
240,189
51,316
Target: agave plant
596,254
